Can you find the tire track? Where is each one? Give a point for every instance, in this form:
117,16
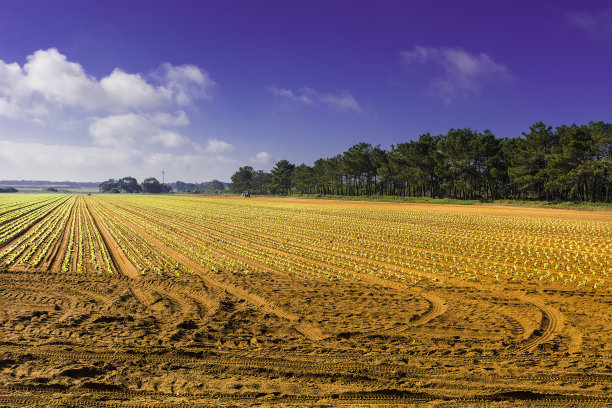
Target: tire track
551,323
308,330
438,305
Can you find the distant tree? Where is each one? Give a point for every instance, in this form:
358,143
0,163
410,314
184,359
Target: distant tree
241,180
8,189
153,186
380,161
529,169
303,178
580,165
107,185
51,189
180,186
261,182
402,160
129,185
281,176
216,185
211,187
358,167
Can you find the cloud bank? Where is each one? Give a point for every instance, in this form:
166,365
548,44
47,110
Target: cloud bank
122,120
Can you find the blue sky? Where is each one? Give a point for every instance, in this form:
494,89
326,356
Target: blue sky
94,90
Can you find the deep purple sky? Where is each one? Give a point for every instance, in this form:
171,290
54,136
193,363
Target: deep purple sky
204,87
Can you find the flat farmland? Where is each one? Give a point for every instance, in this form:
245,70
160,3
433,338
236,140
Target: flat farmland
186,301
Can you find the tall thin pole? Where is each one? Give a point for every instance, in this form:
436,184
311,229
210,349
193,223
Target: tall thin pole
163,177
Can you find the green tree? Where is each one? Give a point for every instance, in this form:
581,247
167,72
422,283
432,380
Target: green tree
358,168
579,167
215,186
303,178
529,169
281,176
107,186
129,185
153,186
241,180
8,189
261,182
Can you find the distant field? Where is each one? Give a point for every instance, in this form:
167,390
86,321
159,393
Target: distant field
281,302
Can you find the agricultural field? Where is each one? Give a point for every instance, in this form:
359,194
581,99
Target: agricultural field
167,301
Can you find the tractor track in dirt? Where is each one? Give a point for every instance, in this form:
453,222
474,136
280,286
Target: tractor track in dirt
195,362
91,397
551,318
437,304
301,326
248,327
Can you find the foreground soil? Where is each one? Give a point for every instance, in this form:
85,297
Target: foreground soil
71,338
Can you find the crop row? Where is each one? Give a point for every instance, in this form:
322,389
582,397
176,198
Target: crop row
36,240
331,242
310,241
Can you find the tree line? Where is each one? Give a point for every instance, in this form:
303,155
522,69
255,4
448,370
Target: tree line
568,163
8,189
208,187
131,185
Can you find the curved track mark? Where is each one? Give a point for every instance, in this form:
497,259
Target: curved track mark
551,323
437,306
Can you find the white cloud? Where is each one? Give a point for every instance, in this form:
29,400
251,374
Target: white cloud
462,74
597,24
304,95
186,83
130,91
261,158
41,156
132,130
217,146
133,123
48,74
82,163
342,101
48,82
177,119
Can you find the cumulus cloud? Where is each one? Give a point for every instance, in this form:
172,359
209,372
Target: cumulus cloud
186,83
176,119
461,74
132,130
261,158
342,101
48,82
133,122
217,146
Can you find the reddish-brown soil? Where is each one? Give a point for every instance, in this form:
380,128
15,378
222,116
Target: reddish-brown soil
221,339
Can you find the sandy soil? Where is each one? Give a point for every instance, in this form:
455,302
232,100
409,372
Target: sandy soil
220,339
